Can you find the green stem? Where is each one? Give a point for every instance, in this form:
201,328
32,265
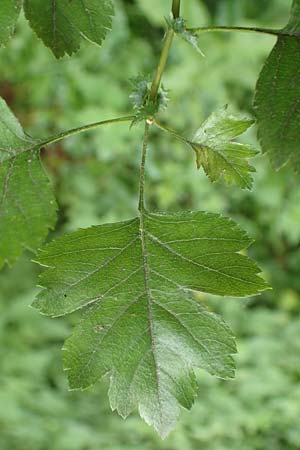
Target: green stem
239,29
171,132
142,168
176,9
153,96
162,64
83,129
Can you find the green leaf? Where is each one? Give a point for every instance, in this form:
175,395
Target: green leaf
218,154
134,281
144,106
62,23
9,13
27,205
277,99
179,26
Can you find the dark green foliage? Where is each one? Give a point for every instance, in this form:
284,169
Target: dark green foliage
61,24
277,100
27,204
90,194
134,277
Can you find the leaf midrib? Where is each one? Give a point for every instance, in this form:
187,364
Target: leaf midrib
149,306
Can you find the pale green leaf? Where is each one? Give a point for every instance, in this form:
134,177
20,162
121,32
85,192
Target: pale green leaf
218,154
27,205
142,324
61,24
9,13
277,99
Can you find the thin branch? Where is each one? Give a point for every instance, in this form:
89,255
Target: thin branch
269,31
72,132
83,129
171,132
162,63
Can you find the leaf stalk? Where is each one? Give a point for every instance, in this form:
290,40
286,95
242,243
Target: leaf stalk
83,129
269,31
142,168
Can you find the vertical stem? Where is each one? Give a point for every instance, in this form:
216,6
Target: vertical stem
162,63
153,96
176,9
142,169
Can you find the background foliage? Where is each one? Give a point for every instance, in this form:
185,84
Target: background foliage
96,178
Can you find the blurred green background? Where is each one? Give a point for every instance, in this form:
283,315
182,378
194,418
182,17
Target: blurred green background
95,177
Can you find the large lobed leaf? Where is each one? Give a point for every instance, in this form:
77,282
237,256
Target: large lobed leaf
277,99
218,153
27,205
141,322
61,24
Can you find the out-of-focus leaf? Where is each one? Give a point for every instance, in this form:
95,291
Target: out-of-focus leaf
9,13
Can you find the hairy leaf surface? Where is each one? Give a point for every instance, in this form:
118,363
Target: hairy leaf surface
141,323
218,154
277,99
27,205
9,13
61,24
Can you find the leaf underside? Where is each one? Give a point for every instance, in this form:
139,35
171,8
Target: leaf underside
218,153
9,13
61,24
141,322
277,98
27,205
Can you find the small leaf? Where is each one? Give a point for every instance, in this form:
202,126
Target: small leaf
179,26
62,23
9,14
144,106
141,323
218,154
27,205
277,98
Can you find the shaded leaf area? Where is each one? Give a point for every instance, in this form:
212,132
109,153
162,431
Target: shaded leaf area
277,99
9,13
218,153
135,280
61,24
27,205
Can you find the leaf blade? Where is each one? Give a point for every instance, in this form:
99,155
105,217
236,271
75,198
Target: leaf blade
61,25
218,154
27,205
134,280
9,14
276,99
